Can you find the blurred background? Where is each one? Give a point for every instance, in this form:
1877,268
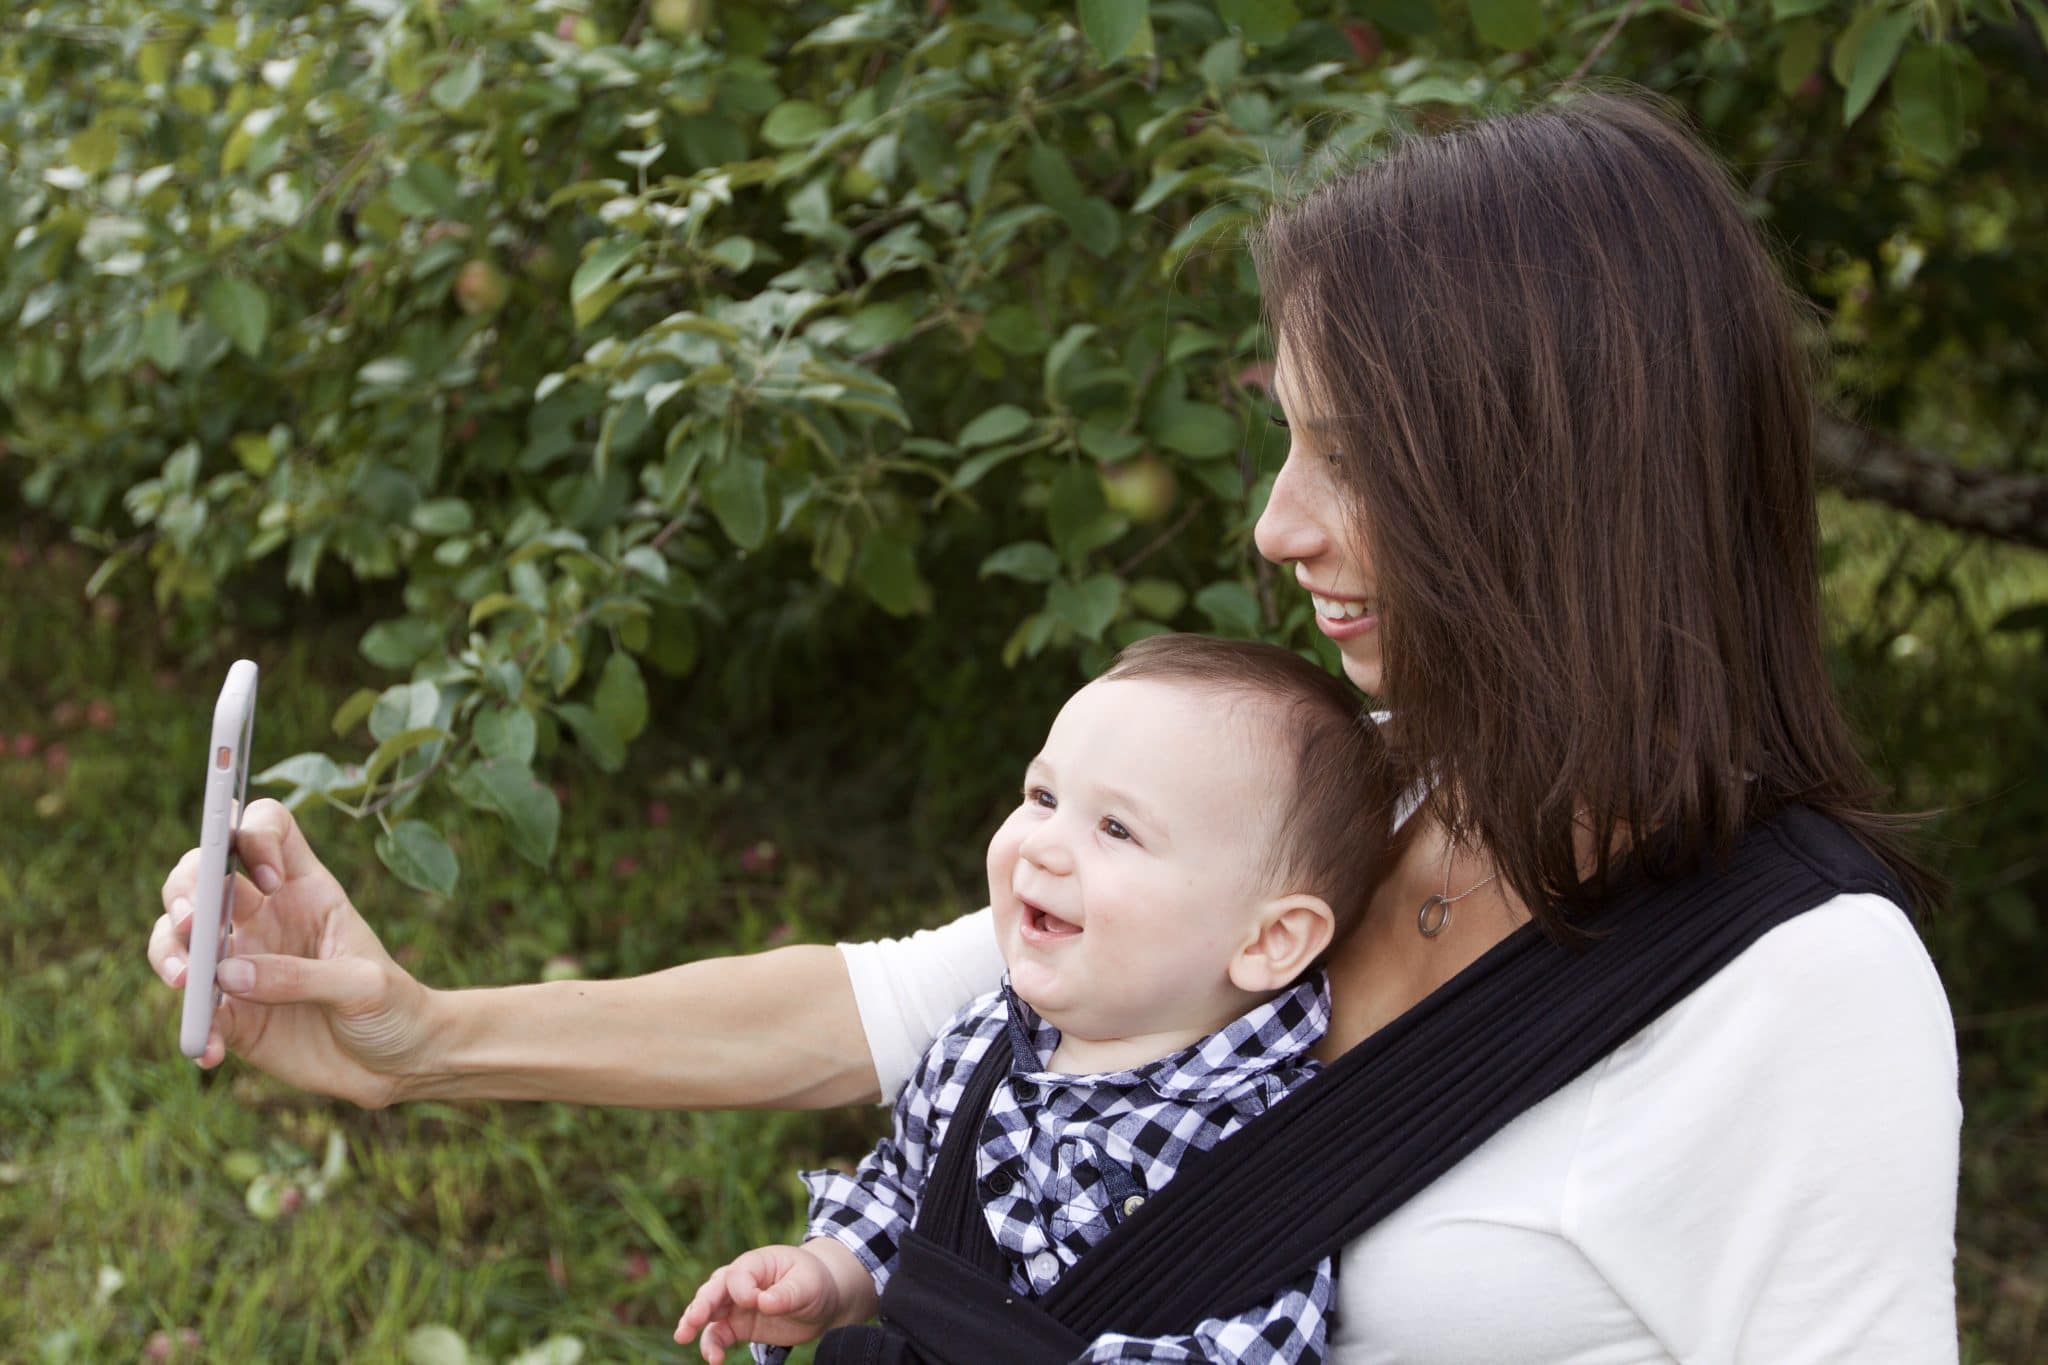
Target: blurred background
669,457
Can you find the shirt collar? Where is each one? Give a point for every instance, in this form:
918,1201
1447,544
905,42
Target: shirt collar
1274,1034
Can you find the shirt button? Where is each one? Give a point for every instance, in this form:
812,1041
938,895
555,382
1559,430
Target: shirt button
999,1183
1045,1266
1133,1204
1025,1091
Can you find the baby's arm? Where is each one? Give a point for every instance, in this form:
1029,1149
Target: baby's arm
1292,1329
780,1295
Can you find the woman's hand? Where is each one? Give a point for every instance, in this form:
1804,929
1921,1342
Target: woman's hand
310,996
777,1295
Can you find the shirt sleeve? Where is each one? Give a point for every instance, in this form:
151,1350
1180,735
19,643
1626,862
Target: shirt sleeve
1770,1174
869,1211
1291,1328
907,988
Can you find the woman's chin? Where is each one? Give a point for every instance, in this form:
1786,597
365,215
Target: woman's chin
1363,667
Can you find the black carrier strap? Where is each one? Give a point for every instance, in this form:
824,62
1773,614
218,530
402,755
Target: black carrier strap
1240,1222
950,1294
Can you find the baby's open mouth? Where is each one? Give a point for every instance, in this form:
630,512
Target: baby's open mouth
1045,922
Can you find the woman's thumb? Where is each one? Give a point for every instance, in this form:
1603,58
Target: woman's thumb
279,979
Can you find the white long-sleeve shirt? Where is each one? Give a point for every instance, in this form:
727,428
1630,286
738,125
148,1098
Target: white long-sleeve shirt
1766,1173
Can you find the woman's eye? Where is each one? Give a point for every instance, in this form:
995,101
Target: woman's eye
1279,421
1039,796
1114,828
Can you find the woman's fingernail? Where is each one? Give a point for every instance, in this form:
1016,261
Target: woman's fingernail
181,910
172,966
267,879
235,975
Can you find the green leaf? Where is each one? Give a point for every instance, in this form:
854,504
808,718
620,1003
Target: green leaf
1230,607
1416,18
1062,351
400,643
1261,21
793,123
1510,24
402,707
1074,509
1793,9
1030,560
999,423
1160,597
598,267
351,712
240,310
308,772
1928,93
595,734
1870,58
507,734
1434,90
1800,57
887,571
1200,431
1111,25
398,746
528,805
737,492
458,85
1088,606
418,856
443,517
622,696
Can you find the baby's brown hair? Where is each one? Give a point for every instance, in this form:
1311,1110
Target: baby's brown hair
1338,834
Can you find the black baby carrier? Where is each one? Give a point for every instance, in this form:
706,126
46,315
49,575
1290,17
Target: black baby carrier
1240,1222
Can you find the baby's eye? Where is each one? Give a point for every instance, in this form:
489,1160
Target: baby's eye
1114,828
1039,796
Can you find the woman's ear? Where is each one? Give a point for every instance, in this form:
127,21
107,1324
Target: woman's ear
1290,933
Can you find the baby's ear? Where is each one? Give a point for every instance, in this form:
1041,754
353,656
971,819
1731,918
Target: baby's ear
1290,933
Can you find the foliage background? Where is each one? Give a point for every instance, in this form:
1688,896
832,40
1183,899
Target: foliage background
567,403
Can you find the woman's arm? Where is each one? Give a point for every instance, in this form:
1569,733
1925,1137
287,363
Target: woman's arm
1769,1171
313,999
774,1030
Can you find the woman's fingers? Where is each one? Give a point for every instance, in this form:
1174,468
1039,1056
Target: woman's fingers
717,1337
271,845
167,948
182,878
280,979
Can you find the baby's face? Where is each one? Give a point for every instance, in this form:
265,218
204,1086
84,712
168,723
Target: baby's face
1133,870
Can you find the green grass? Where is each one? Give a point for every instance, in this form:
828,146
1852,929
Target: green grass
125,1173
126,1176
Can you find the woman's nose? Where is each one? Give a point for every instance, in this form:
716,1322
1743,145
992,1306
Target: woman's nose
1286,531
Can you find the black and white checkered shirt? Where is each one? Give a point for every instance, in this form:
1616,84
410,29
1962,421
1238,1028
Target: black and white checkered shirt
1063,1158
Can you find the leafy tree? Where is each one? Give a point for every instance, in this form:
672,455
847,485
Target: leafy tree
595,329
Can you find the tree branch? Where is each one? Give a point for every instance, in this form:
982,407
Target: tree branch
1866,464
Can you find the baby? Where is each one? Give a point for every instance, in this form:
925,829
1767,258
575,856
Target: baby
1204,821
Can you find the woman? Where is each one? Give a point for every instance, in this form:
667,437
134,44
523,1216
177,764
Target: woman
1550,488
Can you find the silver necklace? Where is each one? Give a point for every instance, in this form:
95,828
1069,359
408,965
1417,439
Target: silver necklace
1441,905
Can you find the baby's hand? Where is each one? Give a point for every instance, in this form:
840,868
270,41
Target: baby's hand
779,1295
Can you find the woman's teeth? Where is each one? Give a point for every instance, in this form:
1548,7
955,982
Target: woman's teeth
1330,609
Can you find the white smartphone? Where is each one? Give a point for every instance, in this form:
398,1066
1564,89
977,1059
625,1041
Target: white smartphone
227,784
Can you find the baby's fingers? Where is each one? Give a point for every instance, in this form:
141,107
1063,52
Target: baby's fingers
711,1303
717,1337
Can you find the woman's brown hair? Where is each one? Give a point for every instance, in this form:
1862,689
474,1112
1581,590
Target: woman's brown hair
1562,380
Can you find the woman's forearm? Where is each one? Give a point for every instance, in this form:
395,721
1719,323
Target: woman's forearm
771,1030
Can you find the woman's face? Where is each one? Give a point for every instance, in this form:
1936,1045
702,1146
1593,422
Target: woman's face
1304,527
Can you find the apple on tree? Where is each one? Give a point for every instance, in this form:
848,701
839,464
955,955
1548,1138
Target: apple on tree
1142,489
